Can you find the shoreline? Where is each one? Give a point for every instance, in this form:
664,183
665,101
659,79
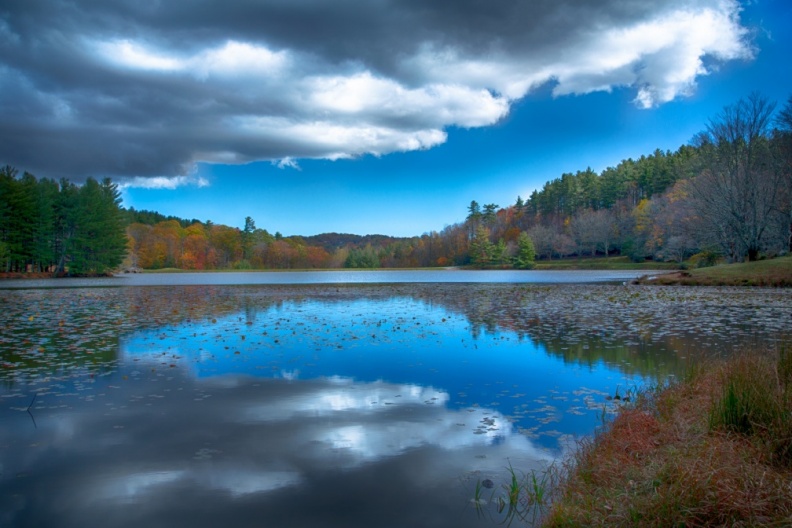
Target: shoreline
775,272
712,449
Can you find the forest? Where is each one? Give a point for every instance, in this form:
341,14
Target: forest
727,195
59,227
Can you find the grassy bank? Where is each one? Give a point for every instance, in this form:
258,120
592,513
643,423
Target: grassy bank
774,272
714,449
603,263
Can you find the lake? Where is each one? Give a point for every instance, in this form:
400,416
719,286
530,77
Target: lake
451,275
328,404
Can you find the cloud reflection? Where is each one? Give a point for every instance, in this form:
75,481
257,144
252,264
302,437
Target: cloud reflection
214,443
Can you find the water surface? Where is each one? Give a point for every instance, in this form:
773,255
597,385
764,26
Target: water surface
327,405
335,277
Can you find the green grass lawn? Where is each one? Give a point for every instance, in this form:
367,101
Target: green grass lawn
603,263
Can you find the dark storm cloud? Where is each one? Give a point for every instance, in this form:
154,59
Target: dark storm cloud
128,89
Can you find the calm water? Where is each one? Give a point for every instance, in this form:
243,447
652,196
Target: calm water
336,277
326,405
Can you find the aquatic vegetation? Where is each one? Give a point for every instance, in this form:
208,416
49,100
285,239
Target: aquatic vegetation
522,498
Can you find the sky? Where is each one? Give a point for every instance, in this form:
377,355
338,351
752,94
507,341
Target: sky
367,116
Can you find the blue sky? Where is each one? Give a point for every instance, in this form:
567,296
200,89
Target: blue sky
371,117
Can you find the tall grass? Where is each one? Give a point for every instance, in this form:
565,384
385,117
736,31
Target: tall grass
524,498
756,402
714,449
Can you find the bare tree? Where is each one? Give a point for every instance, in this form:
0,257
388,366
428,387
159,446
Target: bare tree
783,143
584,232
676,226
605,227
593,230
543,237
739,188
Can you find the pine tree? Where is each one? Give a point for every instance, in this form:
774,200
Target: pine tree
482,251
526,253
247,238
66,207
99,240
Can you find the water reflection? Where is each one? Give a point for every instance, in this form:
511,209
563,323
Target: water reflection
156,447
397,340
333,405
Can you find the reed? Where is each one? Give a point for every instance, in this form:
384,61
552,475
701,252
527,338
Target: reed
713,449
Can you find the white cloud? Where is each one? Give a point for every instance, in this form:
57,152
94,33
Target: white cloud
222,90
286,163
442,104
164,182
238,59
231,59
660,57
338,140
130,54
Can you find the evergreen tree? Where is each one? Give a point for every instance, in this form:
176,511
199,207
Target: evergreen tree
362,258
45,197
65,223
499,254
482,250
248,238
526,253
7,184
99,241
489,213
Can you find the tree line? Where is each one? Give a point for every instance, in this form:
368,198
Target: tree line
727,194
59,227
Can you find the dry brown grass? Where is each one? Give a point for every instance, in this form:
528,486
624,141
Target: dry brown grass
664,462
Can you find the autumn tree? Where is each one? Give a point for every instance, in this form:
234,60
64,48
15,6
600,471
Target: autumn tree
675,224
195,248
227,243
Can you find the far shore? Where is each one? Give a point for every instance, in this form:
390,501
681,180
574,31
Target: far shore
768,273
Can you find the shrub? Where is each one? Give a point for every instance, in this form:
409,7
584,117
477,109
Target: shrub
704,259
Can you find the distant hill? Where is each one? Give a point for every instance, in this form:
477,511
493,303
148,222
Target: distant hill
333,241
